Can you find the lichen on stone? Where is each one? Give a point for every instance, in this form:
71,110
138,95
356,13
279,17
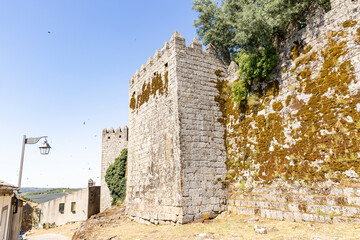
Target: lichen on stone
349,23
156,87
277,106
322,137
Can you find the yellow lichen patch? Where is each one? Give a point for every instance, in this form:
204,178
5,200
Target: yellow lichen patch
133,102
307,49
349,23
154,88
219,73
305,60
287,101
295,51
358,35
277,106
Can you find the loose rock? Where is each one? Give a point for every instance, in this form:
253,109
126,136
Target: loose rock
260,229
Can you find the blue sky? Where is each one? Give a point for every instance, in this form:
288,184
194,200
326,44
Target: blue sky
51,83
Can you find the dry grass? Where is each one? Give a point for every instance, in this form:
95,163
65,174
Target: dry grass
114,225
231,227
67,230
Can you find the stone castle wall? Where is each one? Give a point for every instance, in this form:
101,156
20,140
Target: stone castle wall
175,161
291,154
295,155
201,135
113,142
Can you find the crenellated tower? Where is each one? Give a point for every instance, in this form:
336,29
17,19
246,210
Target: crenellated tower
176,158
113,142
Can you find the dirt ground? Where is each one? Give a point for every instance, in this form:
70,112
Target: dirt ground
114,225
67,230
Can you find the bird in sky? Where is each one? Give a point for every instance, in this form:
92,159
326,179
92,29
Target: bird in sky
49,32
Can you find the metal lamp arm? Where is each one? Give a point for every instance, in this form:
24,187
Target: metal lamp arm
26,141
33,140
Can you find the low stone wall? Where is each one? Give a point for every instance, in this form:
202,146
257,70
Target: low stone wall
298,204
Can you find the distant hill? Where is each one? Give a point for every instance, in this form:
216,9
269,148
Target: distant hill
33,189
41,195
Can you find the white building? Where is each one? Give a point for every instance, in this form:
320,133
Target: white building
74,207
10,212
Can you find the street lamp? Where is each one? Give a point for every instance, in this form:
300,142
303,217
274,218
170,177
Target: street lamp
44,150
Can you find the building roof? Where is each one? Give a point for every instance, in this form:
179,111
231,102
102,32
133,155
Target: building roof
4,185
32,204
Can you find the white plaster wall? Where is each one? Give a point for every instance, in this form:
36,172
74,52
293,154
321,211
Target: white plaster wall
5,219
50,210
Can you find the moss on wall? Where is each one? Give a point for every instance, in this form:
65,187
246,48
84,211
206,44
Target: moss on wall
349,23
313,140
155,87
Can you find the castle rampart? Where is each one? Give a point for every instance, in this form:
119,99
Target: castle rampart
113,142
176,147
301,158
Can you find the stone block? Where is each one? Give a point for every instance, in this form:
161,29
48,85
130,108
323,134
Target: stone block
348,191
336,192
349,211
307,217
293,207
297,217
353,201
288,216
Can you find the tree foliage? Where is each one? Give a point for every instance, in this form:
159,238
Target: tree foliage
240,28
115,177
247,24
257,65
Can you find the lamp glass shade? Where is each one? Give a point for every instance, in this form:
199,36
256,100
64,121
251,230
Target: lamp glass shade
44,148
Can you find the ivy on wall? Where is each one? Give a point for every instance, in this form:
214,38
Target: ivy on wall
115,178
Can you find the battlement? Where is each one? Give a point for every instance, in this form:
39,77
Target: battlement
118,133
174,46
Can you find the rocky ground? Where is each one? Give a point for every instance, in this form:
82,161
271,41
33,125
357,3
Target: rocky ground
113,224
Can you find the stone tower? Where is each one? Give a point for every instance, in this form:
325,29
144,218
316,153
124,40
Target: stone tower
113,142
176,158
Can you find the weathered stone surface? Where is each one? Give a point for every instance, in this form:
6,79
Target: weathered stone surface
306,197
175,162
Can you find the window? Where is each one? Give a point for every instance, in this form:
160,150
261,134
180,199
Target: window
73,207
61,207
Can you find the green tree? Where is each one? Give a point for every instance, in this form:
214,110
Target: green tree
115,177
232,25
244,30
253,66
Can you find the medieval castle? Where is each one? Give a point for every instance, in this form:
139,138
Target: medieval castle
191,156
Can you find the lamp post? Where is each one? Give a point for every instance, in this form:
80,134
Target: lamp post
44,150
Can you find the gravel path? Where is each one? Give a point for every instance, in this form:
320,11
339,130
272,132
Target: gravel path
47,237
